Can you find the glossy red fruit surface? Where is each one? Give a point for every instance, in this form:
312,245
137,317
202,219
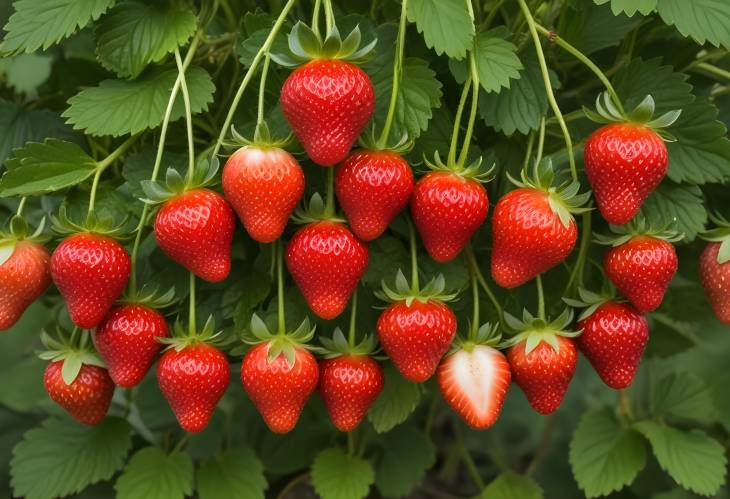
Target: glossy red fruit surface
24,277
87,398
715,278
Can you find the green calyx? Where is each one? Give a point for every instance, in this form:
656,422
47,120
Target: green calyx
435,290
639,227
720,234
314,211
285,343
607,112
74,350
589,301
262,139
369,140
338,345
306,45
473,171
487,334
18,231
150,296
563,196
175,184
534,330
94,224
182,337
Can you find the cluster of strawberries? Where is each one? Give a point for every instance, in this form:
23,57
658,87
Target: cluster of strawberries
328,101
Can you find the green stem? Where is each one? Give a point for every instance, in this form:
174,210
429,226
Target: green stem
191,306
540,141
548,87
471,466
103,165
540,297
713,70
624,404
397,74
21,206
181,443
262,89
475,301
188,116
249,74
457,120
280,286
492,14
329,16
483,282
350,443
472,111
353,317
315,16
528,151
576,275
329,207
415,286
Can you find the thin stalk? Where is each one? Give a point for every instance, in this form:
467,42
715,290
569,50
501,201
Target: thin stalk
103,165
713,70
540,297
492,14
397,73
483,282
576,275
280,286
471,466
457,120
262,89
540,141
329,208
315,16
528,151
188,116
353,318
414,254
21,206
624,404
191,305
472,111
475,301
329,16
181,443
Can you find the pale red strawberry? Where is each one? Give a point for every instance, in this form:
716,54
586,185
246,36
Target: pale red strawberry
24,277
87,398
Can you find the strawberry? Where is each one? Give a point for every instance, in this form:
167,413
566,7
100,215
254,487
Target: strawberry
195,229
264,185
91,271
24,277
127,340
373,187
627,159
328,100
326,261
533,228
87,398
715,278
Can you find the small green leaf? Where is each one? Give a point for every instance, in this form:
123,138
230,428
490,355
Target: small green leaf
335,475
152,474
496,61
630,7
672,203
396,402
683,395
445,24
703,20
26,72
695,461
237,473
510,485
408,453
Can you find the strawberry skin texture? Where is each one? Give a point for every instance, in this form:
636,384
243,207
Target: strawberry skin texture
195,229
193,380
415,337
528,237
447,209
613,340
642,269
326,261
127,341
278,389
624,163
475,383
327,102
264,186
372,188
544,374
90,271
87,399
24,277
715,278
349,385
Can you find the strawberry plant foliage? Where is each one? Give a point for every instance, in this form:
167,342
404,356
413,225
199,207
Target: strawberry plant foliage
393,223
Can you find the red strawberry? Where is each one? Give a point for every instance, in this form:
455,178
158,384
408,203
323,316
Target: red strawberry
279,388
349,385
474,382
195,229
193,380
447,209
127,340
24,277
87,398
715,277
372,188
613,340
90,271
264,185
326,262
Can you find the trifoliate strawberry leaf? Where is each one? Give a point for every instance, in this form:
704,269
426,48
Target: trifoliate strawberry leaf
153,474
62,457
510,485
702,20
133,34
396,402
237,473
446,25
119,107
407,454
36,25
335,475
683,395
630,7
605,455
693,459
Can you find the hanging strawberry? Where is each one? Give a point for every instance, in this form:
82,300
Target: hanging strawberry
715,268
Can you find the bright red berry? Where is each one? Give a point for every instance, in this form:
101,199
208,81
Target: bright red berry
24,277
195,229
90,271
87,398
127,340
715,278
327,103
193,380
264,185
326,261
279,389
372,188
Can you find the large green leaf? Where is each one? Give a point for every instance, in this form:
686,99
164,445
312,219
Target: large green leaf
119,107
408,453
26,72
630,7
677,203
696,461
445,24
605,455
152,474
36,24
395,403
683,395
496,61
134,34
335,475
510,485
62,457
591,28
237,473
703,20
640,78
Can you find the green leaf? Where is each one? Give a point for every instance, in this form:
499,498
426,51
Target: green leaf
669,336
680,203
496,61
62,457
640,78
42,168
591,28
152,474
396,402
248,47
408,453
237,473
683,395
695,461
445,24
702,20
630,7
335,475
36,24
26,72
605,456
510,485
134,34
